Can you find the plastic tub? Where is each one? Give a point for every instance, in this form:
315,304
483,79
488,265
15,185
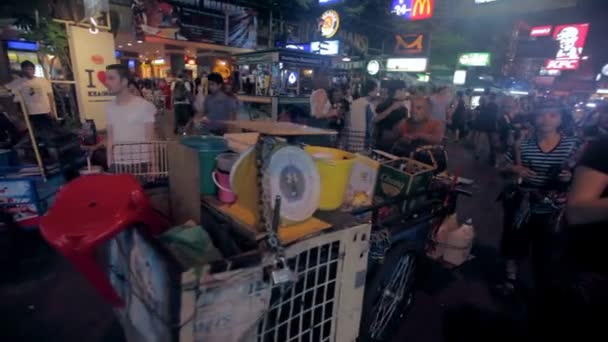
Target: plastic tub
208,147
334,168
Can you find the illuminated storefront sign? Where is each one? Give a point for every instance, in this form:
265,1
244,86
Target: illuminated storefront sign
416,44
541,31
23,46
373,67
475,59
460,77
326,47
329,23
571,40
406,64
413,9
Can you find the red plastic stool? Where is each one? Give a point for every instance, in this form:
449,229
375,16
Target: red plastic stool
90,211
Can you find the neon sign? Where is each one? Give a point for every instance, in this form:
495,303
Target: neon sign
541,31
413,9
475,59
329,23
373,67
571,40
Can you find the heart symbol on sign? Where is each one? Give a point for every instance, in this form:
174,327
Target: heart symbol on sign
101,76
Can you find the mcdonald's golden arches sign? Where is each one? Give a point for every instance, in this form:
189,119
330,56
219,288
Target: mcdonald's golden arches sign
413,9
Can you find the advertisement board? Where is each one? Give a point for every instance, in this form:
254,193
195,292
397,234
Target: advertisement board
571,39
413,9
205,22
89,64
475,59
414,44
406,64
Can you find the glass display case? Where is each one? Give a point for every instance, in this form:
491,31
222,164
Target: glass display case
277,83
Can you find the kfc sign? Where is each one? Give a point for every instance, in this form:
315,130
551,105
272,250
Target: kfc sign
541,31
554,64
413,9
571,40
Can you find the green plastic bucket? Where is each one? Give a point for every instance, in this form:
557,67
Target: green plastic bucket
208,147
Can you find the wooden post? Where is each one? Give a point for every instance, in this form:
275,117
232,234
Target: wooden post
30,129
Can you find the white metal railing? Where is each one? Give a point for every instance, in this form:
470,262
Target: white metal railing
147,161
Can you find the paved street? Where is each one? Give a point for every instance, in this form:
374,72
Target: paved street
50,302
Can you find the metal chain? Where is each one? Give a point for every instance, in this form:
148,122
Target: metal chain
263,150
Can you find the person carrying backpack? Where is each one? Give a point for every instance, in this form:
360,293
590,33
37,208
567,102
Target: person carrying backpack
181,97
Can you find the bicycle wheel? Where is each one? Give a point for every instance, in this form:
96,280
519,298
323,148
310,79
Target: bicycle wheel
389,294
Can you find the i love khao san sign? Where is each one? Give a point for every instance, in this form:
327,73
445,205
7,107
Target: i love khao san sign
89,63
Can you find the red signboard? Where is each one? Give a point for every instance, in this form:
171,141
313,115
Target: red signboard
540,31
571,40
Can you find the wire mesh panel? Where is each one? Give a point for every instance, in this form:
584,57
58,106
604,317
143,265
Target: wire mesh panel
353,141
325,303
145,160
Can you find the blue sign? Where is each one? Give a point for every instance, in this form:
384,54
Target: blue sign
131,64
327,2
298,46
20,45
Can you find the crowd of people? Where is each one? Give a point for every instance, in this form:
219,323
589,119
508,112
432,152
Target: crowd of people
206,99
552,159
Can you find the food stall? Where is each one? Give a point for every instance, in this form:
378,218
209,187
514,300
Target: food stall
276,81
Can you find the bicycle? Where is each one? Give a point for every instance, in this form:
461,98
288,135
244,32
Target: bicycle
397,245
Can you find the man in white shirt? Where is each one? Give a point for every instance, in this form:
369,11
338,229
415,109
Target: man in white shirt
361,115
129,120
37,96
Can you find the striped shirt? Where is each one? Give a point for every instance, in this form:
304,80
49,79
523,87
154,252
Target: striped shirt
546,165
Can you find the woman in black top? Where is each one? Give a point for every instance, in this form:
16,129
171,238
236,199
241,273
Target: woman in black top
575,311
389,116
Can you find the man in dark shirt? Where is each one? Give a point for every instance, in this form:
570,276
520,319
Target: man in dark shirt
218,106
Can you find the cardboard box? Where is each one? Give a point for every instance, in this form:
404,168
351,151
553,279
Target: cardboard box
401,177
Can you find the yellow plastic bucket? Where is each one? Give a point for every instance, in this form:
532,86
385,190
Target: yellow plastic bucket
334,168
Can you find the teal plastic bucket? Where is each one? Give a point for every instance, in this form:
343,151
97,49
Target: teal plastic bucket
208,147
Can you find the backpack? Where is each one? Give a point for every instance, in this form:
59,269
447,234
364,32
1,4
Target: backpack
180,93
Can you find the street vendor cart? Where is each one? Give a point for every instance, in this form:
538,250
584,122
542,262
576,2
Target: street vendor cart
277,81
272,273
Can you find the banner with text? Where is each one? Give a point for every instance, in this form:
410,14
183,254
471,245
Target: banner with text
89,63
